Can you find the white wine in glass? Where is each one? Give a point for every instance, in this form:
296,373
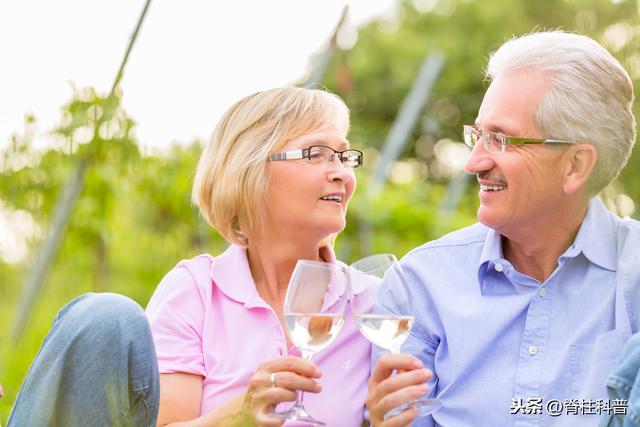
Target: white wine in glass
388,331
314,310
313,332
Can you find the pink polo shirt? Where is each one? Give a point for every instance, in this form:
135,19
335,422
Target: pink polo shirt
208,319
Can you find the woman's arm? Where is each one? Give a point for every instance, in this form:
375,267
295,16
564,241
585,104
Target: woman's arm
181,396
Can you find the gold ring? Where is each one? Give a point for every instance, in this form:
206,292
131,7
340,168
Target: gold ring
272,379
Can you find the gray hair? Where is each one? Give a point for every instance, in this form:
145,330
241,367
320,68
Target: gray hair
590,100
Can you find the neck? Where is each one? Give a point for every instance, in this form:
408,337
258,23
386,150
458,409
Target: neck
534,250
272,262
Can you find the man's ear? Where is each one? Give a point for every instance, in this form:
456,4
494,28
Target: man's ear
579,162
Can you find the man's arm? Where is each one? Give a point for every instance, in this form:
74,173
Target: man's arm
414,366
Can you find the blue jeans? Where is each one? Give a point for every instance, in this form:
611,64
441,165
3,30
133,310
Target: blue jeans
97,367
624,383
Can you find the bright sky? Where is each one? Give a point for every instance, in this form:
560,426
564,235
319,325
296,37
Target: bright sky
192,59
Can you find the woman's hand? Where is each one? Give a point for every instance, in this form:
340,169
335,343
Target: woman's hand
387,392
181,394
276,381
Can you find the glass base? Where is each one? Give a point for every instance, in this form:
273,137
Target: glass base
297,413
426,407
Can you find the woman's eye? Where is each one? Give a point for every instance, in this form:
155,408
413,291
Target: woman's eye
316,155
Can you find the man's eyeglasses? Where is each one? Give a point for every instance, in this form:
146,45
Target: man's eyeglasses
321,154
496,143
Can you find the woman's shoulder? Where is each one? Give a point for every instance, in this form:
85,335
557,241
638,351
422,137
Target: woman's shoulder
202,267
228,272
188,277
198,266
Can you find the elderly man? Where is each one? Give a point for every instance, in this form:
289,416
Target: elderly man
521,317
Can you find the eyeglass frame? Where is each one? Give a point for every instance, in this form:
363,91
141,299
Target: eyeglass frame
506,140
305,153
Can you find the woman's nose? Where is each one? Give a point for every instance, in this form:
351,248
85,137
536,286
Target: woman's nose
338,171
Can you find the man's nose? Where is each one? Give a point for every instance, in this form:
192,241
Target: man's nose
479,160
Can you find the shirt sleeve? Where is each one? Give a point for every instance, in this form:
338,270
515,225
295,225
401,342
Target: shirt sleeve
421,343
176,314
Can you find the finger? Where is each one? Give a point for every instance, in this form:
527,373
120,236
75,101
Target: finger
273,396
292,381
400,397
377,392
292,364
381,401
404,379
390,362
402,419
264,420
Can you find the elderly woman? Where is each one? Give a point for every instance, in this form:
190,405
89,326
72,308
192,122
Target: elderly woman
275,180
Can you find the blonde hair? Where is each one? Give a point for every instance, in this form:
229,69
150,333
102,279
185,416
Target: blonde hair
590,100
231,178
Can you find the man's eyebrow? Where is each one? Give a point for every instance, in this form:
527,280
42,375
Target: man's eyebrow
500,130
493,128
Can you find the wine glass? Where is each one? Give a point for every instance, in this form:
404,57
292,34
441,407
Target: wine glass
314,310
385,330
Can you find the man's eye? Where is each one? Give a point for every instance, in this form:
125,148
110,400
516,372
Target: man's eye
494,139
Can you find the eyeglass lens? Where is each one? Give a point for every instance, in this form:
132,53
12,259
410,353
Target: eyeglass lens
319,154
491,142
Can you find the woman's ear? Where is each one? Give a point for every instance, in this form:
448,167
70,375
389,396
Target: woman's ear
580,160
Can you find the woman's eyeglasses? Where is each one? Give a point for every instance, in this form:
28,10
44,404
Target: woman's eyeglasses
321,154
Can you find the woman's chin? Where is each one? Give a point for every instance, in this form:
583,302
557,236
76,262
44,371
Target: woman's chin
331,231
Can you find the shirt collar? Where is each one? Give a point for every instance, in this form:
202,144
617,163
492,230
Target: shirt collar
231,273
491,252
596,238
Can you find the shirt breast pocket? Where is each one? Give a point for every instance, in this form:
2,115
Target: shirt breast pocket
593,361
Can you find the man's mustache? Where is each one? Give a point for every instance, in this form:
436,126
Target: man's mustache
486,176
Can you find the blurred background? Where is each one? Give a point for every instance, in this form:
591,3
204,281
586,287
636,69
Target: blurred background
96,166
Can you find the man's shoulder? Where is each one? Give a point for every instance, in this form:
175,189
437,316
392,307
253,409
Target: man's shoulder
628,242
471,237
627,235
629,227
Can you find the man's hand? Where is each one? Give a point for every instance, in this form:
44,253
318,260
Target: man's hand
387,392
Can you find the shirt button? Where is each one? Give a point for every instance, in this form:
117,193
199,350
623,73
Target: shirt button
533,350
499,267
542,292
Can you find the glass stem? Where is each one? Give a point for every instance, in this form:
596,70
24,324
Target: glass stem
306,355
395,350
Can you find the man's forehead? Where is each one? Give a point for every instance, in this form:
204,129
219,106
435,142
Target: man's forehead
511,101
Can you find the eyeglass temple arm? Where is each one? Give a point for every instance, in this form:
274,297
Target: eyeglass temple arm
288,155
519,141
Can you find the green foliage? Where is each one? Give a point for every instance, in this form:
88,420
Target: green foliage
134,220
376,74
132,223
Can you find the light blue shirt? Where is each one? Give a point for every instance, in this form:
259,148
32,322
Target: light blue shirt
498,341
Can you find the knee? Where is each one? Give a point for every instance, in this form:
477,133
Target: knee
105,314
